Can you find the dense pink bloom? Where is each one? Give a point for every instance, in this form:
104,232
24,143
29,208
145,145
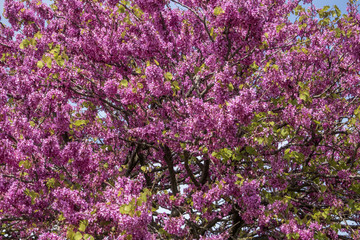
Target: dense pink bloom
187,119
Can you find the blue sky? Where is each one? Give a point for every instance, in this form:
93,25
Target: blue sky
318,3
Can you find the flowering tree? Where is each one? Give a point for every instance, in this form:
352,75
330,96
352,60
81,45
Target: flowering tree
187,119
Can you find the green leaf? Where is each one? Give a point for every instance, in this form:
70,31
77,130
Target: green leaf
124,83
138,213
93,211
79,122
26,164
32,194
212,32
51,183
33,42
325,8
317,180
64,56
287,154
304,50
61,217
106,165
168,76
226,153
47,60
56,50
25,43
77,236
127,209
122,209
276,67
138,70
336,226
279,27
175,86
337,10
218,11
82,227
305,95
143,197
59,61
250,150
357,112
298,9
348,33
38,35
284,132
138,12
196,70
254,66
70,233
3,57
121,9
88,236
205,150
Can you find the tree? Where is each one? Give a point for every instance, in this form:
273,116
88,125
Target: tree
187,119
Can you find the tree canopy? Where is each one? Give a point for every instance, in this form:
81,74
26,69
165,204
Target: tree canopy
179,119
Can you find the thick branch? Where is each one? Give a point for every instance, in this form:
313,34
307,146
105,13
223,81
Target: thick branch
169,162
188,170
